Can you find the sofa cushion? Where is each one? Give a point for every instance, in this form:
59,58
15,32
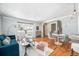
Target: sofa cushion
2,37
6,41
13,41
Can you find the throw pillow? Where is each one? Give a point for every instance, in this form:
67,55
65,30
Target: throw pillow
6,41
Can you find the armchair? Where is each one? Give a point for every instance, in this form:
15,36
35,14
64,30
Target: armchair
52,36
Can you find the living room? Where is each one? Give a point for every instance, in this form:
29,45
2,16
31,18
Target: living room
44,24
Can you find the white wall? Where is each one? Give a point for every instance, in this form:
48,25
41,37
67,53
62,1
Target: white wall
69,24
78,24
9,23
0,24
78,18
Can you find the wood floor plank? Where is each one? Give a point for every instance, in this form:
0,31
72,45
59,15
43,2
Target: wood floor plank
63,50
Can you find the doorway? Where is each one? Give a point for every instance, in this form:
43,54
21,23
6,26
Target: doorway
45,30
53,27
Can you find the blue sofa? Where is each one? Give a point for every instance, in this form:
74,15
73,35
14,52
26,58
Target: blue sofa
9,50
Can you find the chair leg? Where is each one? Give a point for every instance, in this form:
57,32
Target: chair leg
72,52
25,51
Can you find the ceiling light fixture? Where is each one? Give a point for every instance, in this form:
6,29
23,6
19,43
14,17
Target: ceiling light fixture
74,11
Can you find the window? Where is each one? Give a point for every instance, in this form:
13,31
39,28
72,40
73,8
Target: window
28,28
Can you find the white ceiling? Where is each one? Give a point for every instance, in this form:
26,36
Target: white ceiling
36,11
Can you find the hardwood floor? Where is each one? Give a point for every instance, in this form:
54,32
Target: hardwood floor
64,50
